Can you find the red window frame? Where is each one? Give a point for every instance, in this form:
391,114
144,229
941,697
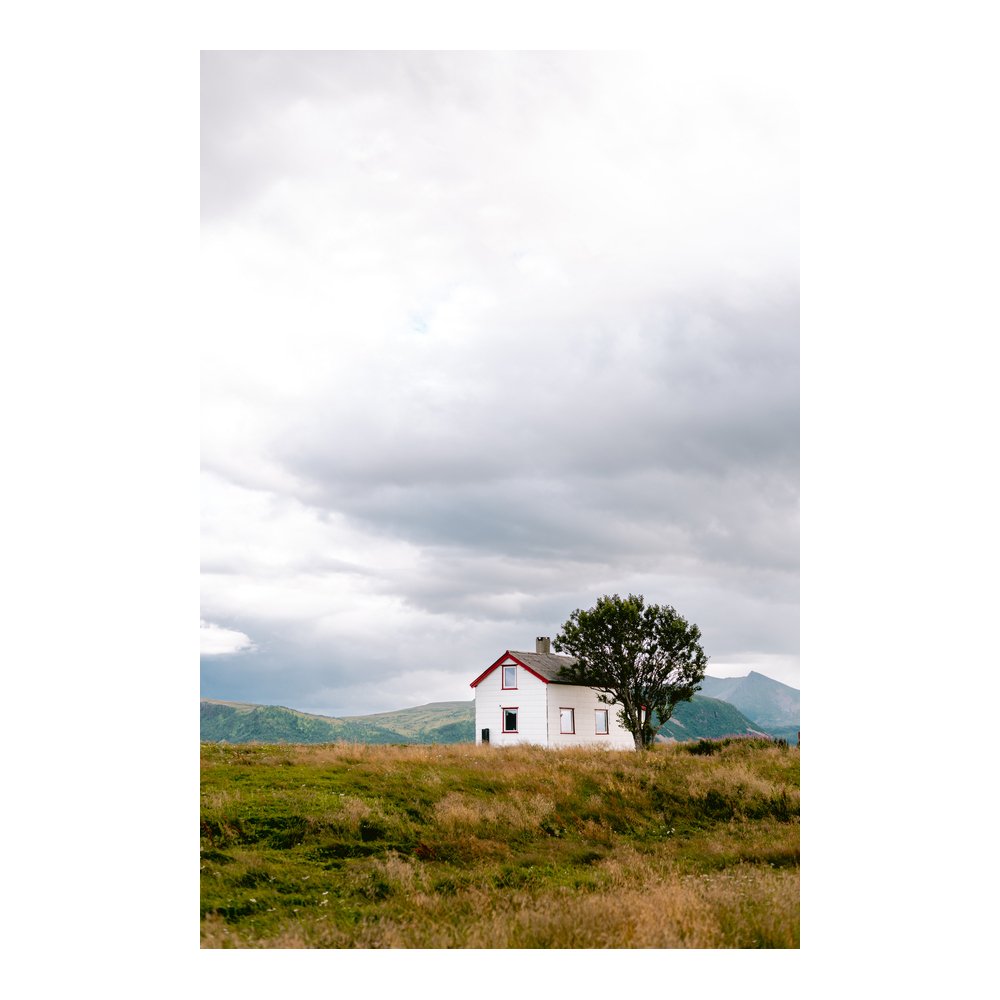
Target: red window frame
503,677
503,718
607,722
572,711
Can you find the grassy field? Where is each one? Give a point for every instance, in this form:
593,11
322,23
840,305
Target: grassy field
353,846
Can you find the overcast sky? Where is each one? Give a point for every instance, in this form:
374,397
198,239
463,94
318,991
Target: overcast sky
488,335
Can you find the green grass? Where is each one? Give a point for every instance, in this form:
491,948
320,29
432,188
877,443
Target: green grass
456,846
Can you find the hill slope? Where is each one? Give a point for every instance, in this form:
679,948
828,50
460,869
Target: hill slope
707,719
419,721
438,722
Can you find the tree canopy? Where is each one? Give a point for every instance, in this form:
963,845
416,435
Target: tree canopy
646,658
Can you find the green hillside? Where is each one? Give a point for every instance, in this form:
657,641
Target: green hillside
707,719
453,732
419,722
223,722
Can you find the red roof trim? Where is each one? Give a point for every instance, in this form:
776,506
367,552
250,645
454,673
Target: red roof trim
507,655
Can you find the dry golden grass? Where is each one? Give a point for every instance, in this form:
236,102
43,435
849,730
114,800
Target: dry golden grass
461,813
742,908
459,847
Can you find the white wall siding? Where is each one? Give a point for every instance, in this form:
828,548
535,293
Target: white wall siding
528,699
583,701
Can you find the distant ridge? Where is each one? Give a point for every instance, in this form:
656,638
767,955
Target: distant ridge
771,705
237,722
437,722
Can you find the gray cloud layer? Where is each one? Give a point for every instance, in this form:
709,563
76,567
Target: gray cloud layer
489,335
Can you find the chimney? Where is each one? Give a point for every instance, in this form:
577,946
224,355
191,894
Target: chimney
542,644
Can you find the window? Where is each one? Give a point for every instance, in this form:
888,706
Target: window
510,720
510,677
601,721
567,724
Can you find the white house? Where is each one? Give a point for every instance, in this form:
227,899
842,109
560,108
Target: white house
520,699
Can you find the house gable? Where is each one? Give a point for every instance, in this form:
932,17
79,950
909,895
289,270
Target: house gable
505,660
511,708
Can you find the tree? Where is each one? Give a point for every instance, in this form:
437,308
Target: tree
646,658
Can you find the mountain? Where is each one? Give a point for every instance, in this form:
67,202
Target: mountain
770,704
438,722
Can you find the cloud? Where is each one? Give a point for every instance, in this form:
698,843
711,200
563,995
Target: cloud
219,641
488,335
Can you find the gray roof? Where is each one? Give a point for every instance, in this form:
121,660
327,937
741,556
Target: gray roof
545,664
